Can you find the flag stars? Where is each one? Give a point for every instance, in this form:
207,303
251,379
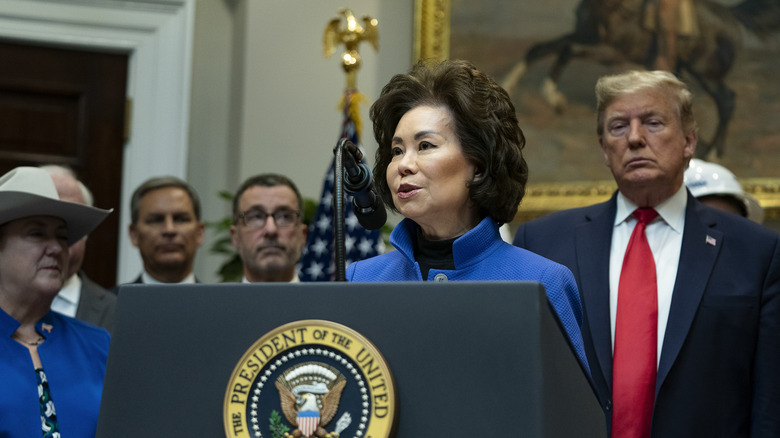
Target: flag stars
351,221
323,223
349,243
365,247
319,247
327,201
314,270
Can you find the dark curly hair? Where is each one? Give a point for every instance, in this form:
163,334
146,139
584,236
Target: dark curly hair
485,123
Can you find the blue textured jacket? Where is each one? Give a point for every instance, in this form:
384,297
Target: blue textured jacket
74,359
480,255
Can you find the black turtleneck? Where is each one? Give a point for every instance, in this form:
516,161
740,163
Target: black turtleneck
433,254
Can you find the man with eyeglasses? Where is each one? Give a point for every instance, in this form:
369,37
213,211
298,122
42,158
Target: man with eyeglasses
267,231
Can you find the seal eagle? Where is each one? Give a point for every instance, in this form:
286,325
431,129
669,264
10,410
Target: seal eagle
304,413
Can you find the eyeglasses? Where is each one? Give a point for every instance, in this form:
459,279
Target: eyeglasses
255,218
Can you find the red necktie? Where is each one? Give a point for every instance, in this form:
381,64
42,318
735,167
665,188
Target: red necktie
634,361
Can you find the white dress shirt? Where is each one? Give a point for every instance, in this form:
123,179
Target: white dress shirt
67,299
148,279
664,234
295,279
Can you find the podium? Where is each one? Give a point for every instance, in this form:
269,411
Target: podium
467,358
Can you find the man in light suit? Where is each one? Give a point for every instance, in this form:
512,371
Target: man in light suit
717,350
80,297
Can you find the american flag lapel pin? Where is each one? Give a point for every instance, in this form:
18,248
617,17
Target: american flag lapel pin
710,240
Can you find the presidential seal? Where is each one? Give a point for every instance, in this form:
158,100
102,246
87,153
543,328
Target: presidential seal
310,378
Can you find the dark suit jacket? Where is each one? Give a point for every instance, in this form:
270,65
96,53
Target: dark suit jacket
96,306
139,280
719,371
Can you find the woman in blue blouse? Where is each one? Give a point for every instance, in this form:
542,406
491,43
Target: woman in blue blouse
450,161
51,366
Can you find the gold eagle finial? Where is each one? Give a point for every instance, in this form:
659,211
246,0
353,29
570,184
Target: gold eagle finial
351,36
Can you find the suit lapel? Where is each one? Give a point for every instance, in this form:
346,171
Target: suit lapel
593,241
700,247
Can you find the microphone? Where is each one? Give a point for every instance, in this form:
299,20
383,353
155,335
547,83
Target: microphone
369,209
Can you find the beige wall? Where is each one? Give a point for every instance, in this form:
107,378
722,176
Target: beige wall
264,99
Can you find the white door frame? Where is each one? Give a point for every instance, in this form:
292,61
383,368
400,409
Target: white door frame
157,35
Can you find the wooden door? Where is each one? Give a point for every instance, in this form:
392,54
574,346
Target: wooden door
67,106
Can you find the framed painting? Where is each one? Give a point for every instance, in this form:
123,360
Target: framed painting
548,56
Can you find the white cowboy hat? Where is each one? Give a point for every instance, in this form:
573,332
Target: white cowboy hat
30,191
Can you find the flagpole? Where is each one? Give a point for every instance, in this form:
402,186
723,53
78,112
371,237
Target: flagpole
336,236
351,36
338,200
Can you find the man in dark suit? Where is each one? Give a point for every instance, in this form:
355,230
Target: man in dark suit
166,228
714,277
80,297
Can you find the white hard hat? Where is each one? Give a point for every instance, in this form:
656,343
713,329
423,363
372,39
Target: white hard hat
703,179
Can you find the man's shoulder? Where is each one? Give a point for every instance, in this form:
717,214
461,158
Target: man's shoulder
579,214
554,236
90,288
731,224
562,222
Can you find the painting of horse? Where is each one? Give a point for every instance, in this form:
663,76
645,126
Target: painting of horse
549,54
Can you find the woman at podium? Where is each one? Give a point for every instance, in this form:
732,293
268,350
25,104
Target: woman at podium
51,366
450,161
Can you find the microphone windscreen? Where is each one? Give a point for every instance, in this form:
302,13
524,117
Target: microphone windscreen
373,218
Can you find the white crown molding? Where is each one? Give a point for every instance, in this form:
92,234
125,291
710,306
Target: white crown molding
157,35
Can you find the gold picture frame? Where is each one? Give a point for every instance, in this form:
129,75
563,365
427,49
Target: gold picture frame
432,41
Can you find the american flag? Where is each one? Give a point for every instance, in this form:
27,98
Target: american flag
317,261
